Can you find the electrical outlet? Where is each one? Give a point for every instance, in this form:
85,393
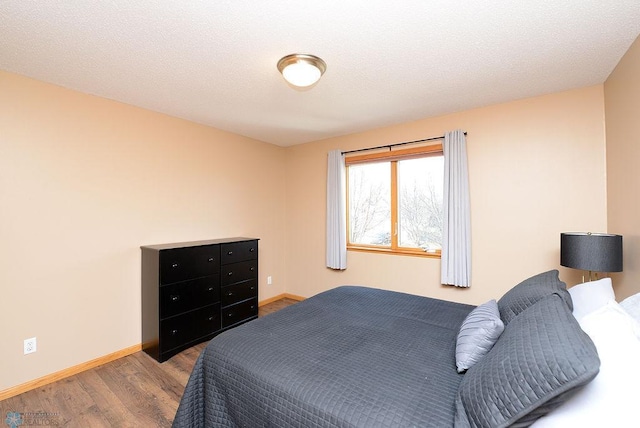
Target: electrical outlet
30,346
269,280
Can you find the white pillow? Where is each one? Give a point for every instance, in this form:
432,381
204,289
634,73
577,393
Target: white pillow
610,400
478,333
590,296
632,306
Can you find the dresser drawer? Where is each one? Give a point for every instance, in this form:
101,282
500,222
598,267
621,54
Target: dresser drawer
185,328
238,252
181,264
238,272
188,295
240,312
239,292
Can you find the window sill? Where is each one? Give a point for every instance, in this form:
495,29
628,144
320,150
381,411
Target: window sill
397,252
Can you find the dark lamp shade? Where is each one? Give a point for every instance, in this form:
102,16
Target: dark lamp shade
597,252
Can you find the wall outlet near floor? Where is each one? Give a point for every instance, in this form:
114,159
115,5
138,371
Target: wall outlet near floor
30,346
269,280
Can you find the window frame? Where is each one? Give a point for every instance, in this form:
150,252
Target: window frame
393,157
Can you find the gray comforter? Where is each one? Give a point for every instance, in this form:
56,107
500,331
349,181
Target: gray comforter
349,357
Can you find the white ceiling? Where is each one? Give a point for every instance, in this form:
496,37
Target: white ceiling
388,62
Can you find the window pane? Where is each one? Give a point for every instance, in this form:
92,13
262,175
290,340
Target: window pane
420,184
369,203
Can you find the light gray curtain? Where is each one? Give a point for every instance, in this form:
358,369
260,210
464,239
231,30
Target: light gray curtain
456,237
336,212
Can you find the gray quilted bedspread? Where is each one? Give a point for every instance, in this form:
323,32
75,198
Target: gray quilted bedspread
349,357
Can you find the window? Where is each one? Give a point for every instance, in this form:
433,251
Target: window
394,201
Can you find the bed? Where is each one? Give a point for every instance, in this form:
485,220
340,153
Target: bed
362,357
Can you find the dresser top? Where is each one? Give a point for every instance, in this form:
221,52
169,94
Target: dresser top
196,243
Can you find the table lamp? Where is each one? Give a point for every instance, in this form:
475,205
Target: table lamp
592,252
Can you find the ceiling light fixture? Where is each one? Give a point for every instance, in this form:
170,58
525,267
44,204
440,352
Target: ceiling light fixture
301,70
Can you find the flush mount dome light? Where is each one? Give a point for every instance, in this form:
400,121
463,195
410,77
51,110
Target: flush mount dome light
301,70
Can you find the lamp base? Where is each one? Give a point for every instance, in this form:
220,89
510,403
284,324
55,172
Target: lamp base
593,276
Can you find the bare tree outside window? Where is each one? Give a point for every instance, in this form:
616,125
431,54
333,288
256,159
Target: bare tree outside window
420,203
369,209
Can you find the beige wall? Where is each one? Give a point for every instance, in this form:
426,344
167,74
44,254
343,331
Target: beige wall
622,110
537,168
84,182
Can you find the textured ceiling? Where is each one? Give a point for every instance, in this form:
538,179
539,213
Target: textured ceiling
214,62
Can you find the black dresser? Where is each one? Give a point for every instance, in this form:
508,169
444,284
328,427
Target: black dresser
192,291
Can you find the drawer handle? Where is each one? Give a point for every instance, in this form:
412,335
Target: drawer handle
175,265
210,289
230,273
252,288
252,269
210,259
174,332
253,307
230,293
230,314
175,298
251,250
210,318
230,253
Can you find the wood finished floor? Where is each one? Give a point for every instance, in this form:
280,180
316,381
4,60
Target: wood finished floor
134,391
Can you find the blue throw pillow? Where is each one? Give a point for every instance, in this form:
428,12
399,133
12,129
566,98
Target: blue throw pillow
477,334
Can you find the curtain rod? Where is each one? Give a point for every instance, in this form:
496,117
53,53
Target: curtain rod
389,146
